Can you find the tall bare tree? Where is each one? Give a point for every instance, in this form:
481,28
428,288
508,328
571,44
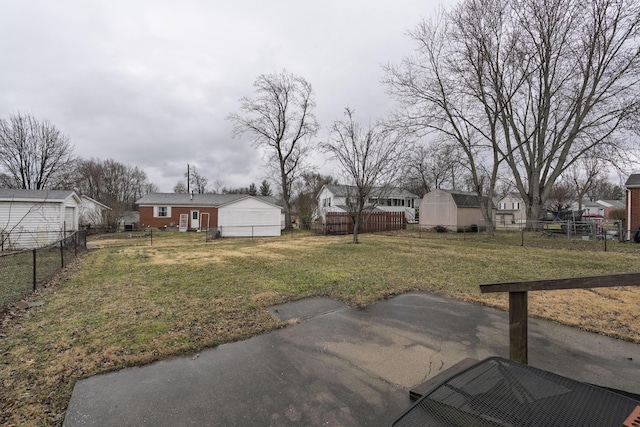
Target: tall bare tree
198,182
370,157
433,165
539,83
115,184
34,154
280,119
583,175
180,187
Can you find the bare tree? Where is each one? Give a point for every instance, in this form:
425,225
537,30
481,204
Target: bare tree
561,196
307,190
603,189
34,154
538,82
198,181
583,175
370,157
180,187
114,184
280,119
433,165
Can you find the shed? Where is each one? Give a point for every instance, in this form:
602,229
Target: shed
454,210
235,215
36,218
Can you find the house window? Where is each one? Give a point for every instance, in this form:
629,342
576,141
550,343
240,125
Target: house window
502,206
163,212
516,205
326,202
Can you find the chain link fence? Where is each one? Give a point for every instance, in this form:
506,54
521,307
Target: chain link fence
591,235
22,272
250,231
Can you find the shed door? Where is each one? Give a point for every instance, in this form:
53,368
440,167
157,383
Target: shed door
195,219
70,219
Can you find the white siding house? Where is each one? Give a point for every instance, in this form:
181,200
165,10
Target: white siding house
36,218
335,198
92,213
511,210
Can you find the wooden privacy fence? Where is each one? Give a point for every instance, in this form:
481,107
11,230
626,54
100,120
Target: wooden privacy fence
518,302
342,223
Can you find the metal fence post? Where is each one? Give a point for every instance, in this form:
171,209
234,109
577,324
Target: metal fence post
34,269
62,252
151,236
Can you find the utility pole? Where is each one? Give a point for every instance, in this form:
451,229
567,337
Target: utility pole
188,179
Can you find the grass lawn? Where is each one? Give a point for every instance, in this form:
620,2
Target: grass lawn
125,306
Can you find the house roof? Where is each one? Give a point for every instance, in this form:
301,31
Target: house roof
185,199
11,194
633,181
611,203
467,200
90,200
387,192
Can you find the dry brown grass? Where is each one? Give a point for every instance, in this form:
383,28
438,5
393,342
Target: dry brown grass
133,305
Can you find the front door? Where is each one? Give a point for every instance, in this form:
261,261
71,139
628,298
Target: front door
195,219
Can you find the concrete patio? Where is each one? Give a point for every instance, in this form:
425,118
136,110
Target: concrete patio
338,366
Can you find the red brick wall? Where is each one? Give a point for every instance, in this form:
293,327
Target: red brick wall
147,219
635,208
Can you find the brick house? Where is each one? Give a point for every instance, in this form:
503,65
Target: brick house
233,214
632,203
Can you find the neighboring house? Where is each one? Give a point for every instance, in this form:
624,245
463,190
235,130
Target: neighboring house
335,198
632,203
610,205
235,215
511,209
454,210
599,208
36,218
130,220
92,213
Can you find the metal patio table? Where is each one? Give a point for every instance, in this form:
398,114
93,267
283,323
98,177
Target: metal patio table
500,392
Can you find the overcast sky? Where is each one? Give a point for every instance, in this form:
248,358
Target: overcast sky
150,83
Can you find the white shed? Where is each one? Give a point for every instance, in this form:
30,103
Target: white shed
36,218
249,217
454,210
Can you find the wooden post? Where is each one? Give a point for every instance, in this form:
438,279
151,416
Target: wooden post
518,301
518,309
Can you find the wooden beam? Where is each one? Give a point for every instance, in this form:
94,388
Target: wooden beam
630,279
518,318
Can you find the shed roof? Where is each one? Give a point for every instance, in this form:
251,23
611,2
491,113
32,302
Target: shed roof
185,199
12,194
468,200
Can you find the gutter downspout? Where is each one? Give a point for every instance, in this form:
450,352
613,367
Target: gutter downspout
628,236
